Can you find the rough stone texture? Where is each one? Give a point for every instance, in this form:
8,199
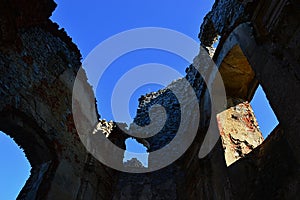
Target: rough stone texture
259,43
269,40
161,184
239,131
237,74
221,20
38,64
133,162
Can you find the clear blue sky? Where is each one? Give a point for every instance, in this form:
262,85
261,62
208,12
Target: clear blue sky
92,21
14,168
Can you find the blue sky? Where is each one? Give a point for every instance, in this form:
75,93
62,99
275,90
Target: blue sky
92,21
14,168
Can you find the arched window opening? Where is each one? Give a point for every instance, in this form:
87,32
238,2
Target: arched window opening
14,169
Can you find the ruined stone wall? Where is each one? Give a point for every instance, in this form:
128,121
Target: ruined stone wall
269,42
38,65
174,181
258,45
259,40
239,131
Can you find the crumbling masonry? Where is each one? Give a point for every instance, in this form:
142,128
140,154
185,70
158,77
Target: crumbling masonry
259,44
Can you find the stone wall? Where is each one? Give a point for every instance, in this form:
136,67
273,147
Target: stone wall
38,65
259,44
239,131
268,41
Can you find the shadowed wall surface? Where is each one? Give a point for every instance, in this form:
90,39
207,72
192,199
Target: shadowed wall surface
259,44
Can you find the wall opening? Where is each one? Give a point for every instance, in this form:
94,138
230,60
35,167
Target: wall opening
14,169
135,154
216,42
242,129
264,114
38,149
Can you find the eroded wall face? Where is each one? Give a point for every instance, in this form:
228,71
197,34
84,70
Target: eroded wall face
268,41
239,131
38,66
